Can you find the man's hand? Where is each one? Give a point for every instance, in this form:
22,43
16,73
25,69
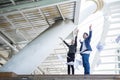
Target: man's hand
90,27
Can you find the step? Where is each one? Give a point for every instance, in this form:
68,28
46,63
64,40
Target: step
7,74
62,77
75,77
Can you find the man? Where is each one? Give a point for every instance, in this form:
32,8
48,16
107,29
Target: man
85,50
71,53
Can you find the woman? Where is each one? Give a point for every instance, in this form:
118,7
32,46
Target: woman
71,53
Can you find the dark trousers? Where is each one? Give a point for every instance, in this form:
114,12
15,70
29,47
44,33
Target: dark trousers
86,64
70,67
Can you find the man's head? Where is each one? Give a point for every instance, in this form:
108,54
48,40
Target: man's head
85,35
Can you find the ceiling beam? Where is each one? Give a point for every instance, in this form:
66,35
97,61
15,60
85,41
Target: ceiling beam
58,7
29,22
6,59
7,19
42,3
18,32
45,18
8,43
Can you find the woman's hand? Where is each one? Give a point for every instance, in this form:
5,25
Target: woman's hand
61,38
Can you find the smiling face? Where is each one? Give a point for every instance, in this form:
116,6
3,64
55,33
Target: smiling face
85,35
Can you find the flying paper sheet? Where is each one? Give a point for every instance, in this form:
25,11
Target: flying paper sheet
118,39
100,46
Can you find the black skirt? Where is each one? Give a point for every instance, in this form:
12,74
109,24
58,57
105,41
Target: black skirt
70,57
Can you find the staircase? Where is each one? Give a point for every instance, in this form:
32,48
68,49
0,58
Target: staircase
109,62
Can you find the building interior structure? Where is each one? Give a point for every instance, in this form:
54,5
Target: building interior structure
30,31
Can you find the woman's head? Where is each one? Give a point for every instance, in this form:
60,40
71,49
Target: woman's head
72,41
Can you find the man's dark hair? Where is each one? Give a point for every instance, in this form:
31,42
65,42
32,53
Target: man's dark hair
86,33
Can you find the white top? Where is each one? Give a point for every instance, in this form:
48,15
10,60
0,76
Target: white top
84,48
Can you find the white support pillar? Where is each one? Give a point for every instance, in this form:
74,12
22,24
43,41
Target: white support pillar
86,10
32,55
106,25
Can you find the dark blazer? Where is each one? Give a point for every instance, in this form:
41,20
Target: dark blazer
72,48
87,42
